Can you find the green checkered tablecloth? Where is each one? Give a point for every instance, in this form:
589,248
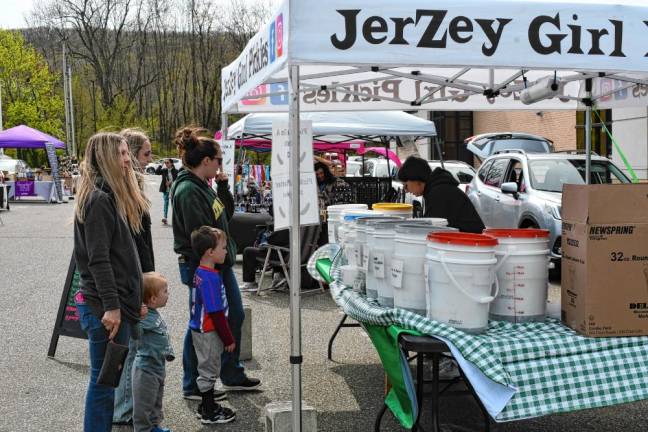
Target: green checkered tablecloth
552,367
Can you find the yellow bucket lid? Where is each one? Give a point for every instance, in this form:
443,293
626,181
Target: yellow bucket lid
391,206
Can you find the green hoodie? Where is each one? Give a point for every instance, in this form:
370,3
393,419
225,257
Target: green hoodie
196,204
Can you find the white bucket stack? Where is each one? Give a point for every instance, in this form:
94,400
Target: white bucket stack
522,272
366,246
380,240
460,278
407,264
334,218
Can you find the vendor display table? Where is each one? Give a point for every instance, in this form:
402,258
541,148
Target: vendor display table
42,189
519,371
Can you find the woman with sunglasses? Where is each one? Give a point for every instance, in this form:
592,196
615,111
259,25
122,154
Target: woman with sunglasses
196,204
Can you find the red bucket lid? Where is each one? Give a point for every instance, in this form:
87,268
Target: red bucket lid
463,239
517,232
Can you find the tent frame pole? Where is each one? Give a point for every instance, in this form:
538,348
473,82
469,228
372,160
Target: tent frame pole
295,268
588,130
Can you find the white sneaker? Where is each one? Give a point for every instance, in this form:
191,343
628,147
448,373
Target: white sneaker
249,286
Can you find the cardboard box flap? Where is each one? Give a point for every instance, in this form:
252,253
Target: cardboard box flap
601,204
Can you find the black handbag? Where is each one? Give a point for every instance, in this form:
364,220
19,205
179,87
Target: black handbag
113,364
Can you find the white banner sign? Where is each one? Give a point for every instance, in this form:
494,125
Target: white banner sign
526,34
281,148
265,54
228,149
308,203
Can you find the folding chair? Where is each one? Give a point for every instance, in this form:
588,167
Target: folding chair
308,240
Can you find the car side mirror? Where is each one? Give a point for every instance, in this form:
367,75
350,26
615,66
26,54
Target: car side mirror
510,188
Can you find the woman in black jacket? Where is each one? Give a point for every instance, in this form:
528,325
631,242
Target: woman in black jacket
441,196
169,173
109,206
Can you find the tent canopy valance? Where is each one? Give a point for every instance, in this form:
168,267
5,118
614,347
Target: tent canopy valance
25,137
338,127
459,55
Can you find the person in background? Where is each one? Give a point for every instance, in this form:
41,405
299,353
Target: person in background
169,173
140,152
441,196
196,204
330,191
153,351
109,208
210,330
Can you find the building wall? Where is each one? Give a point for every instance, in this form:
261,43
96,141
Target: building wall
558,126
630,130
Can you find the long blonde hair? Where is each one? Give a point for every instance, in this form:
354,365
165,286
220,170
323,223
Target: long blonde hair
135,138
102,159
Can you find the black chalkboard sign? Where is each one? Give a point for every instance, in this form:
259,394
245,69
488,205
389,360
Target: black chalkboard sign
67,319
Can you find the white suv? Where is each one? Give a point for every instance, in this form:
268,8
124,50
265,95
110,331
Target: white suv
515,189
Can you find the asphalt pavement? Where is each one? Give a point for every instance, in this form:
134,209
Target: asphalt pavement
42,394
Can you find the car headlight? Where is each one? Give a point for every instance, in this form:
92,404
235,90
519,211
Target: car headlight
554,211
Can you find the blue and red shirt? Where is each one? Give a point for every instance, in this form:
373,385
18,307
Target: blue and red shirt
207,297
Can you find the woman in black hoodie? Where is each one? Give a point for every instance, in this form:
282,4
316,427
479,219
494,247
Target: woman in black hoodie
109,206
441,196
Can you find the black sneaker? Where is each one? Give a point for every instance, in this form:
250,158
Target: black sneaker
219,416
248,384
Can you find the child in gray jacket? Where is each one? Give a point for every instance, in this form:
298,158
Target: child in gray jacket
153,351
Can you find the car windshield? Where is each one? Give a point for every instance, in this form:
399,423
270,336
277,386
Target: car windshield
550,175
528,145
462,174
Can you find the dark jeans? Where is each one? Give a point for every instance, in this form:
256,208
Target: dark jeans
99,399
232,371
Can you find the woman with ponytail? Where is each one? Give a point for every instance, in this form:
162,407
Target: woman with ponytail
109,208
195,204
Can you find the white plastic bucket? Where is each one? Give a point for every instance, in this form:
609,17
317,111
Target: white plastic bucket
439,222
347,234
334,218
460,278
380,241
398,209
364,246
407,263
522,273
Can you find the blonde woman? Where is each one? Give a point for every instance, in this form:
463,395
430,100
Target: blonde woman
109,206
139,147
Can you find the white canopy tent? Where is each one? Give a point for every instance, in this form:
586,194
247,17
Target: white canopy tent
335,127
341,55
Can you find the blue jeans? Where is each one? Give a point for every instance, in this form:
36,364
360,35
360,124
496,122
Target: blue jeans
232,371
165,198
99,399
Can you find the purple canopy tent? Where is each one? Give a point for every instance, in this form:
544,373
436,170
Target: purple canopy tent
24,137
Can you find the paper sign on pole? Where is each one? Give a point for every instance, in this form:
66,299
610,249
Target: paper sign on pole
228,149
281,147
308,203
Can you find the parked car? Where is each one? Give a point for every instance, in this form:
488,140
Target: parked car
515,189
373,167
486,144
153,166
461,171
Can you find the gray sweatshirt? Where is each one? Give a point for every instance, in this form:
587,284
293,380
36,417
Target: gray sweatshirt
106,258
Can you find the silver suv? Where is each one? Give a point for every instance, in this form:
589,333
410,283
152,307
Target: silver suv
515,189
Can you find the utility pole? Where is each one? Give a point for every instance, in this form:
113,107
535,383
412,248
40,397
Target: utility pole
69,107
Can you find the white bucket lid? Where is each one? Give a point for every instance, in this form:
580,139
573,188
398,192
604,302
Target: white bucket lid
341,207
432,221
422,230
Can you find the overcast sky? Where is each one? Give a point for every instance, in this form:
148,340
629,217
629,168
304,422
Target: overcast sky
13,13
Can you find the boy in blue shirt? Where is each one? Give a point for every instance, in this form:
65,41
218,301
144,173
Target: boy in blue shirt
211,333
153,351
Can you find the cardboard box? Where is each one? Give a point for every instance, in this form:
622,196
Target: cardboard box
605,259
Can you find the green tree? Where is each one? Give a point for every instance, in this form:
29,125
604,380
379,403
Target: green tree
30,91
